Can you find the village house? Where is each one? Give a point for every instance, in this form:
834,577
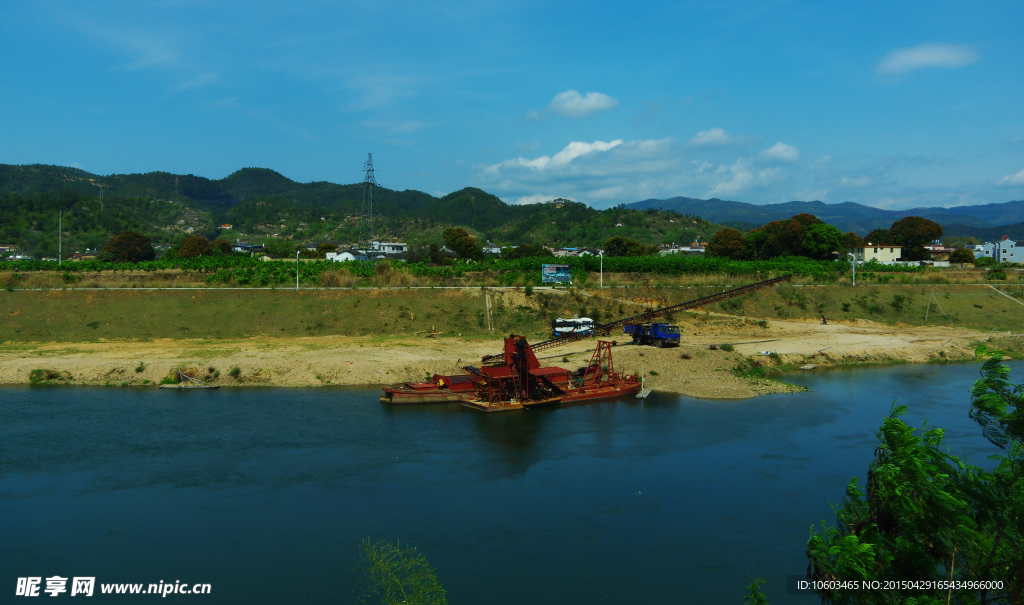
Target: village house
881,254
1003,251
694,249
939,251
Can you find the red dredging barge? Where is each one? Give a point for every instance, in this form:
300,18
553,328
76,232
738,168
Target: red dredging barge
514,379
519,381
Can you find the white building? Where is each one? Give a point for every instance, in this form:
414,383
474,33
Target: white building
389,247
694,249
881,254
344,256
1003,251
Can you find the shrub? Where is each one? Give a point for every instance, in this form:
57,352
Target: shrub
712,347
141,367
235,372
653,373
685,356
129,247
897,302
43,376
727,347
846,307
193,246
996,275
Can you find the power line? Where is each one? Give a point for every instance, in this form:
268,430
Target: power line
366,228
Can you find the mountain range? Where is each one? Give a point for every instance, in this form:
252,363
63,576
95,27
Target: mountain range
848,216
260,203
256,204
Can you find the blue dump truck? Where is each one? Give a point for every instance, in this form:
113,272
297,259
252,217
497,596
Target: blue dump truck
659,335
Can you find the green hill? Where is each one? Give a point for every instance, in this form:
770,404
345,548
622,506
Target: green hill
259,204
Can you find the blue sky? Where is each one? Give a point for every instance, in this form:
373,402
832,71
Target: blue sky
887,104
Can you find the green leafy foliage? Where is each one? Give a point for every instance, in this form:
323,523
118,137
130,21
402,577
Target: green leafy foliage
781,238
398,575
961,256
194,246
852,240
880,236
913,233
926,515
129,247
821,240
623,246
525,251
462,243
727,243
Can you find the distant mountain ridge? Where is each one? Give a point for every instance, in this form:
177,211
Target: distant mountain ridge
847,216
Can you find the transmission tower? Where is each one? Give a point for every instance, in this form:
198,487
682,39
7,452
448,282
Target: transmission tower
366,229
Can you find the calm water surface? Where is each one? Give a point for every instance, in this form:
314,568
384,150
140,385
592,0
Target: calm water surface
265,493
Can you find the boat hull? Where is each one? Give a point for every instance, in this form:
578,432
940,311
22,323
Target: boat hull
584,394
400,397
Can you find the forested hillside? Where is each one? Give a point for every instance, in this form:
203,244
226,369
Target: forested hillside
260,204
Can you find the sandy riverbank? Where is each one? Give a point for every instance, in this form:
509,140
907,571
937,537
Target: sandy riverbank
693,369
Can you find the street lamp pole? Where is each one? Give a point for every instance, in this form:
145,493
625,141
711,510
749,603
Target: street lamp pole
853,263
60,237
296,270
601,254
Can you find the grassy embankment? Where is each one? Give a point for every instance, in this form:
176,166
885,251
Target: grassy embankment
76,316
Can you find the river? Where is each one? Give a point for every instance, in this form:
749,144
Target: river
266,493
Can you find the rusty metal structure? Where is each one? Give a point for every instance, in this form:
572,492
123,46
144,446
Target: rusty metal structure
520,382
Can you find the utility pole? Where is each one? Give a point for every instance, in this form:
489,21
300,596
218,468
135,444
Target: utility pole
853,263
601,254
366,229
296,270
60,237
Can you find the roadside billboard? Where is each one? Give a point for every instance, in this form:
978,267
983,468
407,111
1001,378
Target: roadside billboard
558,274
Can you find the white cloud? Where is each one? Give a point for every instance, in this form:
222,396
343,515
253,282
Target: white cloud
604,172
780,152
740,180
905,60
1012,179
572,151
715,137
538,199
534,116
574,105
